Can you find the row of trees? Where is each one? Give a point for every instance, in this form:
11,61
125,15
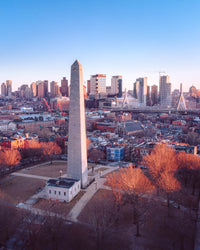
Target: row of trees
44,150
41,149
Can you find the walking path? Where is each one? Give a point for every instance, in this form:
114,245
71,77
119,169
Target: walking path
42,212
91,190
33,199
32,176
79,206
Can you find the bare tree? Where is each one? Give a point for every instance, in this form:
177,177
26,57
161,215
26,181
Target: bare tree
193,138
162,161
9,158
189,166
132,184
50,149
169,184
31,149
96,154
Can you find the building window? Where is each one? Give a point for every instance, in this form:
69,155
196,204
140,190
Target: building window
59,192
50,191
64,193
54,192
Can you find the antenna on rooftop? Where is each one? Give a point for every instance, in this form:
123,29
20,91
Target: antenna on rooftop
161,72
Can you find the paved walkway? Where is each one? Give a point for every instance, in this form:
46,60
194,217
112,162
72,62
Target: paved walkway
79,206
33,199
42,212
32,176
90,191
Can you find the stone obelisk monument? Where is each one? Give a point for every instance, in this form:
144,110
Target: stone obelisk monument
77,150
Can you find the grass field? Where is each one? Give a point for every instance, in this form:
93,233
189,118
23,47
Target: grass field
19,189
16,189
58,207
160,227
50,170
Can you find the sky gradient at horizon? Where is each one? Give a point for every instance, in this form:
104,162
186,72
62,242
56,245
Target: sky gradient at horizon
133,38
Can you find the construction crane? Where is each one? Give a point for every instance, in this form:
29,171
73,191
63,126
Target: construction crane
46,104
60,108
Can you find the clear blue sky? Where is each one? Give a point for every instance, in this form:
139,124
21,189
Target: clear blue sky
40,39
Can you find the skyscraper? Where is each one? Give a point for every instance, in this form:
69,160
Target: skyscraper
42,89
135,89
77,150
165,90
142,90
64,87
41,93
3,89
33,89
9,87
148,101
98,85
88,87
46,83
116,85
6,88
154,94
53,88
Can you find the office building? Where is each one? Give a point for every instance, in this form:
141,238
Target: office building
108,90
9,87
98,85
53,89
165,90
3,89
88,87
41,90
115,153
116,85
148,101
33,89
64,87
142,90
136,89
154,95
6,88
46,88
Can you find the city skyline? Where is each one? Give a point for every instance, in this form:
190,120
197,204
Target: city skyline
133,39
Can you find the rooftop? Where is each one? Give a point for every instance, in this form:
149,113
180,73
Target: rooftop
61,182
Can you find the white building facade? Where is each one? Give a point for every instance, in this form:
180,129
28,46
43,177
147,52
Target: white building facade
62,189
98,85
142,90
